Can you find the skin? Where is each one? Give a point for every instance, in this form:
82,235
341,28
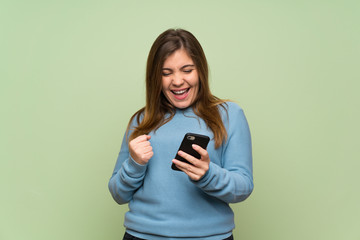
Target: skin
198,167
140,149
179,75
180,85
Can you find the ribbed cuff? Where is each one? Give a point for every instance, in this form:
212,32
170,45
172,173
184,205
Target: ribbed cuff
204,181
135,169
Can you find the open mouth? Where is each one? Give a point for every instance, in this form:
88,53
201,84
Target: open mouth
180,94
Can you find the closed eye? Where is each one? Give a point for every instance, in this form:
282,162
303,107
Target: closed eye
166,73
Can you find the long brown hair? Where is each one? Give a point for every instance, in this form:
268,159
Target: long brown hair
206,105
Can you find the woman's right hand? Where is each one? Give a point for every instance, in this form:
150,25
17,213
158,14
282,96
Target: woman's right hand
140,149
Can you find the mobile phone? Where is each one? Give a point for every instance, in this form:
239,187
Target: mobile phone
186,146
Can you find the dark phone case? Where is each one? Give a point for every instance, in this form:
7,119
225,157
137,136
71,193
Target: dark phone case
186,146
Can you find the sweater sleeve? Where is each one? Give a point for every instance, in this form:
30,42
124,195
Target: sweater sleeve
233,181
127,177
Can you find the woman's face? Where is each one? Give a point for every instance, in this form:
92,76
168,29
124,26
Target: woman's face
180,79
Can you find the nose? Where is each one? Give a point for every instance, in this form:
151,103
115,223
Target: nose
177,80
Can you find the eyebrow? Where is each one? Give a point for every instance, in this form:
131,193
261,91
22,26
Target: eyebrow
185,66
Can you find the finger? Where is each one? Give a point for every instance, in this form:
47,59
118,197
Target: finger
188,157
186,167
143,144
148,149
203,153
143,152
182,165
197,166
140,145
192,171
142,138
145,156
193,176
149,155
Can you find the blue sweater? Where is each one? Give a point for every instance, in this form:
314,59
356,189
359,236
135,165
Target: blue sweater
167,204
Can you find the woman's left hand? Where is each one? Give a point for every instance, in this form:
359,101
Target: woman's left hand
198,167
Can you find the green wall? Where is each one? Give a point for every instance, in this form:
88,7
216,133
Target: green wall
72,73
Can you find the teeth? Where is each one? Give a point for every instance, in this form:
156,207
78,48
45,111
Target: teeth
180,92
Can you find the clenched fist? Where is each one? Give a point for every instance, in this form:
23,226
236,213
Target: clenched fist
140,149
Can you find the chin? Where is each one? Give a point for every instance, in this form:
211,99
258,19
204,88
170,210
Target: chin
182,105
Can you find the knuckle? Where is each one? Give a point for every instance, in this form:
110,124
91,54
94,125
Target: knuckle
196,178
206,167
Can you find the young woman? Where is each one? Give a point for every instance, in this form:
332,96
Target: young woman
192,203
